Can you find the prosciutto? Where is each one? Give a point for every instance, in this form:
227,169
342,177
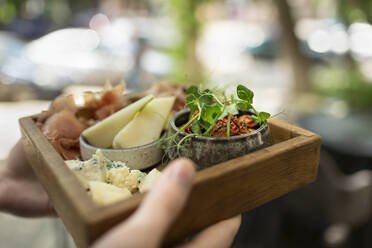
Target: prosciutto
171,89
63,122
105,103
62,130
163,89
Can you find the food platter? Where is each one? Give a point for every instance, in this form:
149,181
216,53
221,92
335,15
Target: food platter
219,192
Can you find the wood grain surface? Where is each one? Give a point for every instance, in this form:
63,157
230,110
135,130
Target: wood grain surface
219,192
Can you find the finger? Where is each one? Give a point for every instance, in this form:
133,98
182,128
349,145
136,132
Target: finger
17,164
220,235
33,202
167,198
49,209
39,208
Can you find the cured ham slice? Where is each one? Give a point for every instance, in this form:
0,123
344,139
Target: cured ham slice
59,104
69,149
64,103
104,104
63,129
63,124
171,89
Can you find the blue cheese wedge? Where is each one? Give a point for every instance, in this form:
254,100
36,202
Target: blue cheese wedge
109,181
90,170
94,169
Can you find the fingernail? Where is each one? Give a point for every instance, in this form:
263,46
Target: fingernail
182,171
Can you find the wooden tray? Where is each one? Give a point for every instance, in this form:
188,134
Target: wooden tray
219,192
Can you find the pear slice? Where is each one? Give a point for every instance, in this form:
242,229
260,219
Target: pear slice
102,134
147,125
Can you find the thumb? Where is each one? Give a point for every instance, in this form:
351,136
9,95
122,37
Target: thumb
148,225
167,198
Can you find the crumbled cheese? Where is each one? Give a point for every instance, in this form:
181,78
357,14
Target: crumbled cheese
117,176
104,174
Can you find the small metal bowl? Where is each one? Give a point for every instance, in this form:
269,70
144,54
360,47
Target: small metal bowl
208,151
138,158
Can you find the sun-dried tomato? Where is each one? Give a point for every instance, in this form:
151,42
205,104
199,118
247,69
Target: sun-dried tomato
188,128
238,126
220,129
246,121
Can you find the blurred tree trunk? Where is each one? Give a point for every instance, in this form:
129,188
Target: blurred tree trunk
297,61
81,5
192,63
188,68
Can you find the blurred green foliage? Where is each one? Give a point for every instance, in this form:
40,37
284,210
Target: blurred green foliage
345,83
8,10
355,11
58,12
187,67
342,79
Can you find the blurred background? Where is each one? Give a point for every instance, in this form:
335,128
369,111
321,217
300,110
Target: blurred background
311,58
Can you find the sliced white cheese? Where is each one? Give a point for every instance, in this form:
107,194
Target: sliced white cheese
149,180
104,193
147,125
103,133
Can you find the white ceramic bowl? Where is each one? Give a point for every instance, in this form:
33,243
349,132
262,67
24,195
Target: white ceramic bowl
139,158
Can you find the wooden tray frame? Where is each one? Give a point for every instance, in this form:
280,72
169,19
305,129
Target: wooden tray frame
219,192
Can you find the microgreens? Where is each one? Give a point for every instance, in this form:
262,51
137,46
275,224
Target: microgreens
207,107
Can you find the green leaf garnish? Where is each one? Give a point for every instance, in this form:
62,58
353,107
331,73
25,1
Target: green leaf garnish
245,94
243,105
210,113
256,119
264,116
195,128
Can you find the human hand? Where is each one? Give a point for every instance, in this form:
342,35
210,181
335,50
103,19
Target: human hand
20,191
149,224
